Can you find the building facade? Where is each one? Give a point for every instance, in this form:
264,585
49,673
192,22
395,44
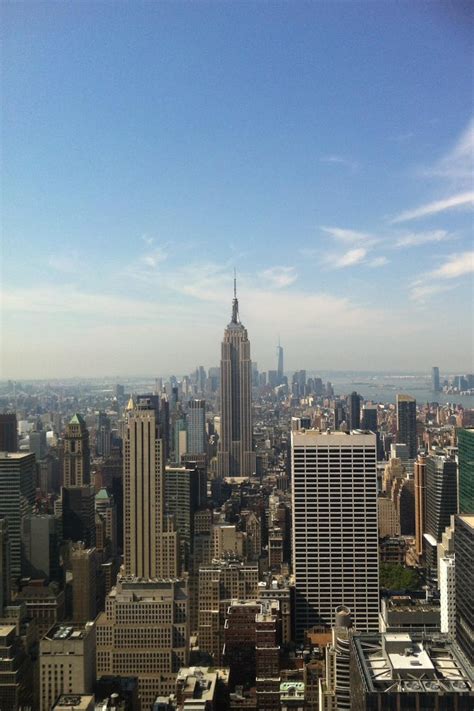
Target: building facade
464,576
144,632
67,662
335,537
151,545
236,456
17,496
466,470
406,421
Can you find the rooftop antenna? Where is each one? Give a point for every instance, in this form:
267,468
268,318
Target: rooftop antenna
235,303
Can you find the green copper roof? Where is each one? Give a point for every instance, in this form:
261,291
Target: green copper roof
102,495
77,419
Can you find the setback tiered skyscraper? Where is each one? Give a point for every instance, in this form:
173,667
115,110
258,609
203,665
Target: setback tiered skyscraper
335,537
151,547
236,456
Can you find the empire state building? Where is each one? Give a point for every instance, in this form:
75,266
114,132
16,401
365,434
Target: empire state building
235,456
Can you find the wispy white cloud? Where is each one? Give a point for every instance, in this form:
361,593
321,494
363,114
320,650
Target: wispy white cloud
462,200
348,236
279,277
457,165
347,259
377,262
429,284
421,292
456,265
416,239
341,160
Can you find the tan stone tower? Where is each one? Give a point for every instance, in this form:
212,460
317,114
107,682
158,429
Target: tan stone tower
151,545
76,453
235,456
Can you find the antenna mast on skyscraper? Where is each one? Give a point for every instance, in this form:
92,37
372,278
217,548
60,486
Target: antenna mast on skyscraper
235,303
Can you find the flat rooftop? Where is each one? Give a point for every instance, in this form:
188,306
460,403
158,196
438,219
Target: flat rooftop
411,662
69,630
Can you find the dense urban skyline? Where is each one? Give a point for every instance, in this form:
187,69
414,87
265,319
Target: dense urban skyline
327,155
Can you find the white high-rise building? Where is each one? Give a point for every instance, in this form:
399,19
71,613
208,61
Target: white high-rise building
447,594
335,538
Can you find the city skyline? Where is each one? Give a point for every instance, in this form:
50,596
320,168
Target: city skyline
303,161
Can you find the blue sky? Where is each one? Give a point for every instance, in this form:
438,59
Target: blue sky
323,149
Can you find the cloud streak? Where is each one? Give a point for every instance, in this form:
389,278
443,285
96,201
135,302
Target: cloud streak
416,239
279,277
340,160
462,200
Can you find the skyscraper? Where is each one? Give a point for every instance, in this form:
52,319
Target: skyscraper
406,419
441,494
464,567
353,406
466,470
435,379
280,371
8,432
369,418
335,537
196,443
236,456
420,503
76,453
150,546
441,502
17,496
5,575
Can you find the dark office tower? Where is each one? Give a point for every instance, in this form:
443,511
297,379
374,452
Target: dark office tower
8,432
464,577
435,379
5,574
466,470
339,414
181,502
441,503
17,496
78,512
103,435
406,419
196,443
280,371
353,411
76,461
335,534
369,418
41,539
236,456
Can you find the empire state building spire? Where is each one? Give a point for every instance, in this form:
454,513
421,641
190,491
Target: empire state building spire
235,302
236,456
